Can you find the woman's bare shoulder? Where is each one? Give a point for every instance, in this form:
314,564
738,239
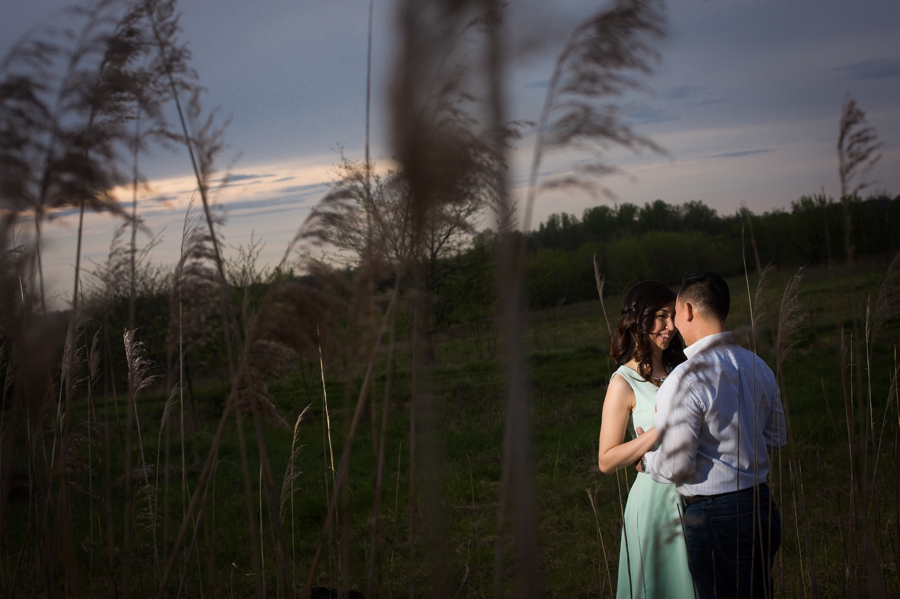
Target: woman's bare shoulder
619,391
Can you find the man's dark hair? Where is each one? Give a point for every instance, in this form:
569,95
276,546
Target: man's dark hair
708,291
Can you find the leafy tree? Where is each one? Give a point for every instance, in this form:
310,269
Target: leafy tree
658,216
697,216
599,223
808,234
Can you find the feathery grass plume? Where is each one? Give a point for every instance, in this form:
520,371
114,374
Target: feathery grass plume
789,319
892,396
61,130
195,317
138,365
601,283
886,301
857,148
168,410
759,300
291,473
603,58
65,151
28,395
139,380
103,283
266,358
751,305
73,361
175,343
203,139
326,430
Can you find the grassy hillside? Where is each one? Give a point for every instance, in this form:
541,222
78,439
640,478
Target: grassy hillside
578,508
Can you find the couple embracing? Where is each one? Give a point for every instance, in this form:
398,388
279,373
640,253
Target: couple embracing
700,519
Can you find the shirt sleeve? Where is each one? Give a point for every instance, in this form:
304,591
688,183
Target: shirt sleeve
678,418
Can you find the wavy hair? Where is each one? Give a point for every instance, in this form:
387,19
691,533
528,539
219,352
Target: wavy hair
631,338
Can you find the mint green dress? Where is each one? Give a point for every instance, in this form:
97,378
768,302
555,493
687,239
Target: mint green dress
653,560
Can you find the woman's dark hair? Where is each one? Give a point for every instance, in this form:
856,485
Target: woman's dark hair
631,337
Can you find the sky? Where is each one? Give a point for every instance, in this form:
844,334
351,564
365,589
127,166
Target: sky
745,101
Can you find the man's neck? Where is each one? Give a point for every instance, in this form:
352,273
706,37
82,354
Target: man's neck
708,328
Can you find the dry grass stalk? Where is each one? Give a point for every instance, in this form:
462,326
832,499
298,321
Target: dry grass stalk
790,316
891,398
344,463
886,301
287,486
760,303
605,558
291,473
376,557
204,141
601,282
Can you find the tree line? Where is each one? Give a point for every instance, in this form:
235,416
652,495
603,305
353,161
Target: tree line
654,241
663,241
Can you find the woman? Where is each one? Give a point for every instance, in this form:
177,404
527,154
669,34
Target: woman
646,347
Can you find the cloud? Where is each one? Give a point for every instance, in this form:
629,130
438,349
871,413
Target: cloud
880,68
681,92
278,200
296,188
742,153
231,180
709,102
646,114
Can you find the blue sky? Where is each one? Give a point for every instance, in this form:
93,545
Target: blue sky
745,100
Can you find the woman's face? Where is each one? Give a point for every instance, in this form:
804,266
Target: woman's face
663,328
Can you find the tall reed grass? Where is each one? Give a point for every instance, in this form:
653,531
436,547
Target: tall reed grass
92,499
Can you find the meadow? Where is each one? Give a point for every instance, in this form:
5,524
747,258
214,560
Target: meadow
379,413
578,509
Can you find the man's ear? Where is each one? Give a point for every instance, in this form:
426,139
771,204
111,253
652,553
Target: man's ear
688,311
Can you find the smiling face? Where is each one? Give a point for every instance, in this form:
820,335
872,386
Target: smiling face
663,329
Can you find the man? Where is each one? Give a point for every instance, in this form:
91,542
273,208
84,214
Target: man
719,414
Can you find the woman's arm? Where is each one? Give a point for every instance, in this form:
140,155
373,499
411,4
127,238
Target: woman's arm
617,408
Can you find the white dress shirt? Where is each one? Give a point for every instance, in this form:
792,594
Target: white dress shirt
718,412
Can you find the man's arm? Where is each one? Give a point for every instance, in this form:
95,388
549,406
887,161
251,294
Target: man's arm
678,421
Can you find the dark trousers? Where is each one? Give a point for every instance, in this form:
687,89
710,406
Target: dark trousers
731,542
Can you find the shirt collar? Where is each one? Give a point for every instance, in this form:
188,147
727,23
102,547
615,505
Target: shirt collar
726,338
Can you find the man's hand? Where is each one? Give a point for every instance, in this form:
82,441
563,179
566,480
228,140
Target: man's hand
639,431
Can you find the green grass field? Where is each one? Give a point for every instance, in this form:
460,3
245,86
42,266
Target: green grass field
578,547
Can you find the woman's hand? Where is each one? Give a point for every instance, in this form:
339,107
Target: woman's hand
614,452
